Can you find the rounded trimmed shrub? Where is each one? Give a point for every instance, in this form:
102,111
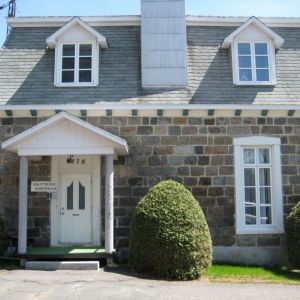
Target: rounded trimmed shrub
169,236
293,236
3,237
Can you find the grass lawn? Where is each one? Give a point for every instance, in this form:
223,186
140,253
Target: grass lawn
240,274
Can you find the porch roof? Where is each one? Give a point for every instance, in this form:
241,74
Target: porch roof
64,134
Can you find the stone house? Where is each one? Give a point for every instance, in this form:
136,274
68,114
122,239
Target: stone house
96,110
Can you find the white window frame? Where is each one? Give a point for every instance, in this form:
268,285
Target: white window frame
271,58
276,177
58,64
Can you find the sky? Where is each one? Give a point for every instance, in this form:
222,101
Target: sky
266,8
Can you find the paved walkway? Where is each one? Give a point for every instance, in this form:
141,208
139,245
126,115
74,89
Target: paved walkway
88,285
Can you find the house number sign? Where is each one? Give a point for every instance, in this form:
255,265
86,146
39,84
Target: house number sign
43,186
75,161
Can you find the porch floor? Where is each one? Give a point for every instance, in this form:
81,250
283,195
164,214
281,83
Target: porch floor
65,253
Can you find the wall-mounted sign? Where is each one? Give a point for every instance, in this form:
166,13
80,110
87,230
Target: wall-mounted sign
43,186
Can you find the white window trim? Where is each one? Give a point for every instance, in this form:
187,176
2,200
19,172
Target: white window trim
277,203
58,65
272,64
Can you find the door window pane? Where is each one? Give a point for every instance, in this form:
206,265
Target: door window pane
249,156
81,196
250,215
264,177
249,175
70,197
264,156
265,215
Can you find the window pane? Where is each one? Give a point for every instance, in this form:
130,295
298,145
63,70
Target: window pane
70,196
85,76
262,75
85,63
250,196
261,49
265,195
264,177
68,63
245,75
85,50
68,50
249,157
81,196
244,49
264,156
67,76
265,215
245,61
249,175
250,215
262,62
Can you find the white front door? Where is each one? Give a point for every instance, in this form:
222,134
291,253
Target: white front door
76,202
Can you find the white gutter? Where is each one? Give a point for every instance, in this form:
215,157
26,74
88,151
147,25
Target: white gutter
99,107
136,21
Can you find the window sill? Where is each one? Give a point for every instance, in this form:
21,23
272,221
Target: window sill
271,230
255,83
76,85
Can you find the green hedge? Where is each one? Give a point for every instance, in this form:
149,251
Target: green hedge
169,236
293,236
3,236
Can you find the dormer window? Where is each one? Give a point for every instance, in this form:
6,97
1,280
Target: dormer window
77,64
253,62
77,51
253,53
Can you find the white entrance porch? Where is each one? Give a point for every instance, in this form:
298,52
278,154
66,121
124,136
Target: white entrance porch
76,148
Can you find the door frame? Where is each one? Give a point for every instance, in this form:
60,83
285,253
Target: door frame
55,224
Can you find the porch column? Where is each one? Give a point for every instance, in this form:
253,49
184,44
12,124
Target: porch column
109,203
23,185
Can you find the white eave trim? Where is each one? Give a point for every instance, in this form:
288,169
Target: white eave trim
136,21
278,40
52,40
155,106
65,116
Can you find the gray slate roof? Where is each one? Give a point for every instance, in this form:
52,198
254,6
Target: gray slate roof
27,68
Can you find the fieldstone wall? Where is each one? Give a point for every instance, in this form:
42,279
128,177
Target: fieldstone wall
196,152
38,206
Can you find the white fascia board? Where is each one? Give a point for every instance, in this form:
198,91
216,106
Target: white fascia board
136,21
278,40
179,106
52,40
65,116
60,21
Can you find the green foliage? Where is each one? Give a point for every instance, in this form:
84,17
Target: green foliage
3,236
169,236
293,236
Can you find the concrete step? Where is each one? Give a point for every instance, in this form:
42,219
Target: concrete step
62,265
